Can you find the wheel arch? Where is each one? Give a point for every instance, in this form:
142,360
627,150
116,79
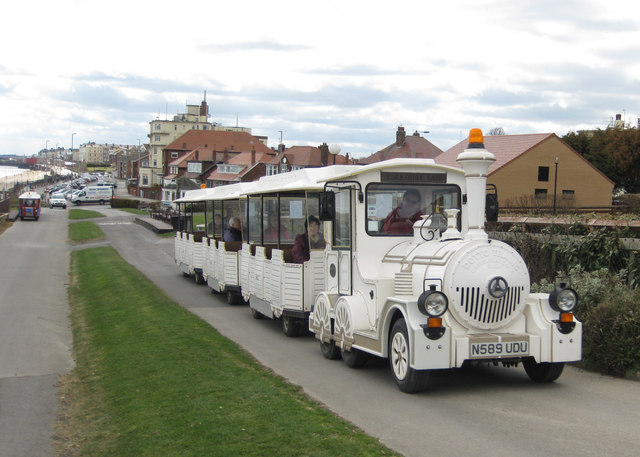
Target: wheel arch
394,313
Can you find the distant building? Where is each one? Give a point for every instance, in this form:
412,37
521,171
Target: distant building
413,146
164,132
208,149
298,157
525,171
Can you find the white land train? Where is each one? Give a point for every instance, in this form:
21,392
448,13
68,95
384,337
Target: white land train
431,294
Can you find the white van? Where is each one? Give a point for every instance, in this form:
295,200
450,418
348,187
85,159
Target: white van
93,194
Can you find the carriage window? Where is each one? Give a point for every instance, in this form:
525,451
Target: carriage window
255,220
198,216
293,210
342,225
218,220
392,209
230,208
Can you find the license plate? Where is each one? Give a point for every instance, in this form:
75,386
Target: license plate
502,349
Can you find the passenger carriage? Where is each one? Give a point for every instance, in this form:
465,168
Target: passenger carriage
430,291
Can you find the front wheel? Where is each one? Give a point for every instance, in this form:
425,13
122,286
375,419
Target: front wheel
542,372
354,358
408,379
329,350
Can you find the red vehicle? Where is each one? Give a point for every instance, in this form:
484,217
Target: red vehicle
29,205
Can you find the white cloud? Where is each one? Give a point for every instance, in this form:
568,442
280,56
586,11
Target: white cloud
335,71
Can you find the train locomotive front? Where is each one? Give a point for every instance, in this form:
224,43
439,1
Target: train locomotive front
457,297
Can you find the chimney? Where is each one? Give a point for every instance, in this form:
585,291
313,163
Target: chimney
253,156
197,154
324,154
204,109
476,160
400,136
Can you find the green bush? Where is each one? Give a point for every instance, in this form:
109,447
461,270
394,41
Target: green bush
610,313
611,336
124,203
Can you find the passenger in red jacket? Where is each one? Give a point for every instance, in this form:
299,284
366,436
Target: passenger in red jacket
401,219
310,239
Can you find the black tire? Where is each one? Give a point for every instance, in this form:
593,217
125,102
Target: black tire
199,279
408,379
290,326
102,202
542,372
329,350
233,298
354,358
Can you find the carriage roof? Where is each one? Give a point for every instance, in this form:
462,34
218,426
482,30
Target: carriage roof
416,164
29,195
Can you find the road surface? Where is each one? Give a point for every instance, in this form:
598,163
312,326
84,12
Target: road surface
489,411
35,338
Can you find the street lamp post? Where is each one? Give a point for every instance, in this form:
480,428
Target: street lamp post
555,187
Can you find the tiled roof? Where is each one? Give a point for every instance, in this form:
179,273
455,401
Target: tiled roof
244,158
504,147
414,146
214,140
308,156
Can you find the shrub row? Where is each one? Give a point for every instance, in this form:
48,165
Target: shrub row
606,278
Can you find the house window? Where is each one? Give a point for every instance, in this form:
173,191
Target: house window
145,180
272,170
543,174
568,193
156,138
541,193
174,155
158,126
194,167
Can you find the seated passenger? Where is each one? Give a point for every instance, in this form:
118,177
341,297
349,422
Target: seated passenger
233,232
310,239
401,219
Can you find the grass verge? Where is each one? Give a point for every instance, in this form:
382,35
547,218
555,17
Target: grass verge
75,214
153,379
135,211
81,232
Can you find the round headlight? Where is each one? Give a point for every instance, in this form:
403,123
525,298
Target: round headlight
432,303
563,300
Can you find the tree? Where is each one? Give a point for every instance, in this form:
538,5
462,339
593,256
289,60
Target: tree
615,152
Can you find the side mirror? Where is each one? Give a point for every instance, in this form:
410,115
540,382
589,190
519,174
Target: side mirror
492,208
327,206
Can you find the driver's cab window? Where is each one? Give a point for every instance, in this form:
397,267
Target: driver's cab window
393,209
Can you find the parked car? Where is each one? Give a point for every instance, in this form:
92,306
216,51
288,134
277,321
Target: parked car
57,200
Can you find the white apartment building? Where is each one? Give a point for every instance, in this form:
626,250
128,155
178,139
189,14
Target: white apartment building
163,132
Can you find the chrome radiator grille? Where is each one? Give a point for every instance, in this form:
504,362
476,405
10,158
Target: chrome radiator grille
485,311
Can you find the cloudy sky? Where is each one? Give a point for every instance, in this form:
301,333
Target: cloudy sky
347,72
